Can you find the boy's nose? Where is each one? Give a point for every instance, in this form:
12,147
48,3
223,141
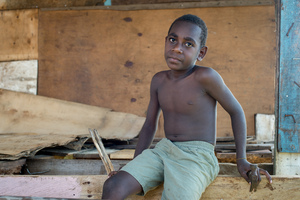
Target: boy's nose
177,49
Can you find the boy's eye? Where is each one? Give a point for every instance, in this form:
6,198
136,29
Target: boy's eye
171,40
188,44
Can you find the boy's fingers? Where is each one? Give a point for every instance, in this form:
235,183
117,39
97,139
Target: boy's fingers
244,175
266,173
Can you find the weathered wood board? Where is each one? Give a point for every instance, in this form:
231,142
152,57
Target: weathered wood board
11,167
107,58
90,187
53,166
18,35
19,76
289,79
264,127
29,122
137,4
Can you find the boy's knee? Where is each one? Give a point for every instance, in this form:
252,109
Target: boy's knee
112,189
109,185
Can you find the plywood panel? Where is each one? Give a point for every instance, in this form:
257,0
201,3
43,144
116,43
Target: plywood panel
18,35
107,58
19,76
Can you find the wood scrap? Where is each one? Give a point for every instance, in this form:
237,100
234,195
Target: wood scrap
11,167
30,123
90,187
125,154
102,153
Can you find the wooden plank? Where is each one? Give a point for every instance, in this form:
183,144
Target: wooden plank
125,154
41,165
70,49
68,166
264,156
19,76
90,187
289,79
230,169
30,123
18,35
11,167
249,147
30,4
130,5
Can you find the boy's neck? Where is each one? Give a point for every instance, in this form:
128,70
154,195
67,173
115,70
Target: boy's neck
177,75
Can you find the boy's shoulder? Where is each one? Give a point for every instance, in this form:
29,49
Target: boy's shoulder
161,74
205,72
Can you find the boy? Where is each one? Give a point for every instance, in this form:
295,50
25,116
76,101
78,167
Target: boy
187,94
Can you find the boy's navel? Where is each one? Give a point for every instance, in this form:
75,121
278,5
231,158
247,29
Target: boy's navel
190,103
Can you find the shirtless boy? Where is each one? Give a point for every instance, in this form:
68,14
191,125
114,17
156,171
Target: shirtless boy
187,95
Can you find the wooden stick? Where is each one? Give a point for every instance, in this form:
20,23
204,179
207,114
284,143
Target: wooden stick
98,144
108,161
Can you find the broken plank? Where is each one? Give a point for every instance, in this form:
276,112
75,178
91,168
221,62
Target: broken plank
11,167
90,187
30,123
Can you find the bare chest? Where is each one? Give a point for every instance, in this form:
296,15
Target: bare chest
183,97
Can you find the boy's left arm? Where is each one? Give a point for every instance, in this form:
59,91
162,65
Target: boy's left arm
219,91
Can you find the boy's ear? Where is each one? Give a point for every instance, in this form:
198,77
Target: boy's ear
202,53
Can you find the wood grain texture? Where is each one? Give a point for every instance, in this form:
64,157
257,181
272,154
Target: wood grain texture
90,187
18,35
29,123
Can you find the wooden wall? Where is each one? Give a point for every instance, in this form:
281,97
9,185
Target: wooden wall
107,57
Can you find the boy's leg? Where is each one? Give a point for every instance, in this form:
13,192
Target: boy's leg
120,186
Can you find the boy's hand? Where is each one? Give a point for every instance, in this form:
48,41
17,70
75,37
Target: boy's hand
244,167
112,173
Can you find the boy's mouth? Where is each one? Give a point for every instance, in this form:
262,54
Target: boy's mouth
174,59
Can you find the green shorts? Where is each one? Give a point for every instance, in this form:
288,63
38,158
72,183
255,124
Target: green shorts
185,168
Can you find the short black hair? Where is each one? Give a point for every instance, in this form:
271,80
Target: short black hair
197,21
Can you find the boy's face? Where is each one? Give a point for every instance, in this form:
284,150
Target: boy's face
182,46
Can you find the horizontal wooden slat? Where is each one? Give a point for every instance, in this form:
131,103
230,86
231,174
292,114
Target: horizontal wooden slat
127,5
90,187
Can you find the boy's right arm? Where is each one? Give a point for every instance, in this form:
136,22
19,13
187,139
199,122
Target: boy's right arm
149,128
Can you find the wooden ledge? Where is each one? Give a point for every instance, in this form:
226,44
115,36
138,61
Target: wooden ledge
90,187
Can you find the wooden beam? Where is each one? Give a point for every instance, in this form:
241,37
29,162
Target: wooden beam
90,187
123,5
